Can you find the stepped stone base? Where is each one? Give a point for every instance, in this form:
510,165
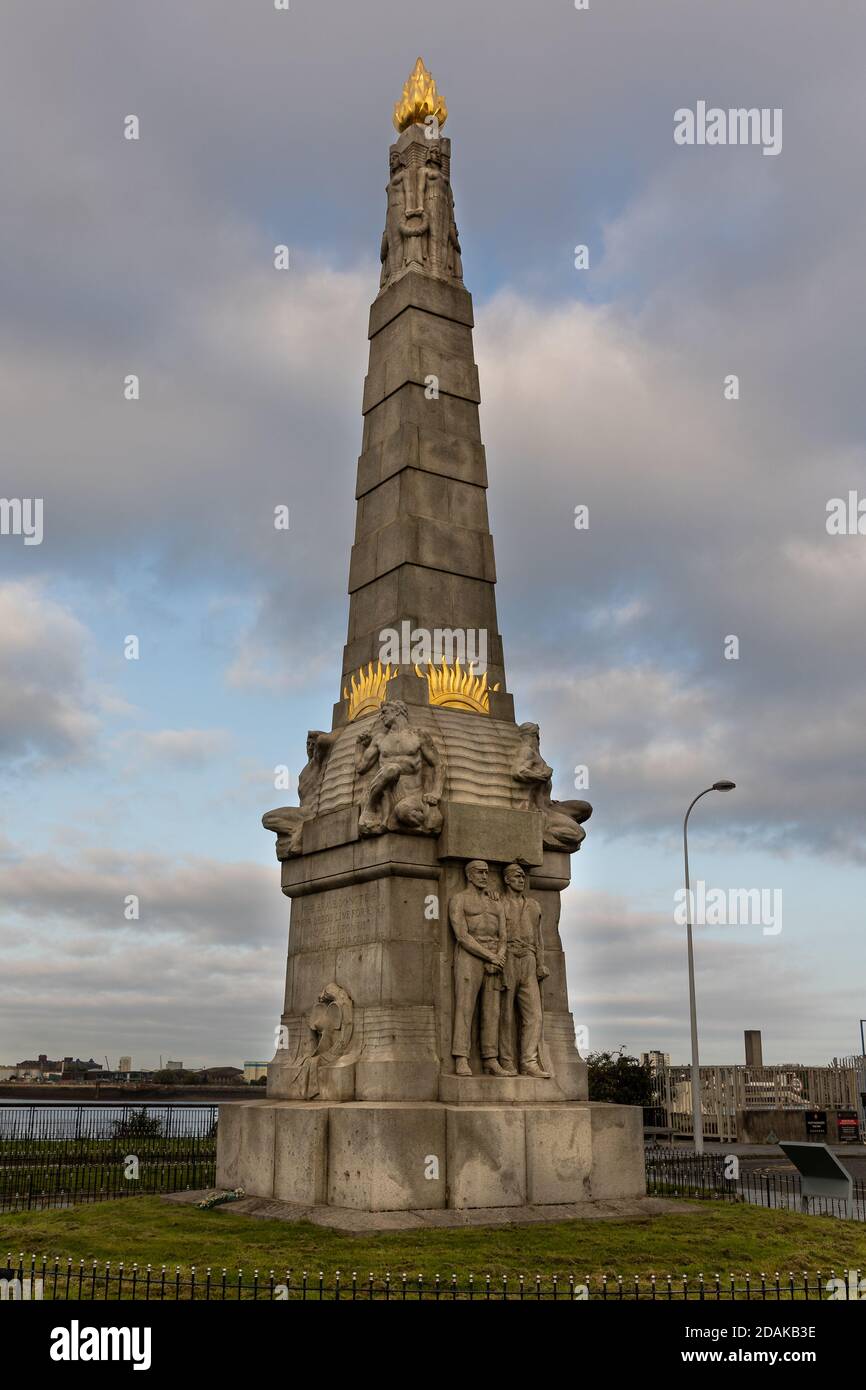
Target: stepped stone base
401,1156
354,1222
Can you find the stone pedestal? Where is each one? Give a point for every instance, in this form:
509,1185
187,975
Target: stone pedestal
428,1156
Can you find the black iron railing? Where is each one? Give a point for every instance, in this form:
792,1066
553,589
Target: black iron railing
56,1155
677,1173
34,1278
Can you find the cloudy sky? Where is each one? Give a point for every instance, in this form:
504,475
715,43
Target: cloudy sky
602,387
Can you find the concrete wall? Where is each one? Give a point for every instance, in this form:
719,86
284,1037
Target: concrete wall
754,1126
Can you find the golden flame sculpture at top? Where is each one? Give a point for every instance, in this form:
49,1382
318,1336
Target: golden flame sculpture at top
454,688
419,100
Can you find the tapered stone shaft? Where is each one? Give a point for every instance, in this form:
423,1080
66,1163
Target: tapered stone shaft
423,552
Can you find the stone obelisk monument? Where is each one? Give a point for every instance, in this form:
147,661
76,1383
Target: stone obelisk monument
426,1054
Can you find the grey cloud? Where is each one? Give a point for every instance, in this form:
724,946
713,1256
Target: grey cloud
693,538
46,708
627,971
197,899
216,1004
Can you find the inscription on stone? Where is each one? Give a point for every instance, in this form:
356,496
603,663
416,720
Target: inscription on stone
341,917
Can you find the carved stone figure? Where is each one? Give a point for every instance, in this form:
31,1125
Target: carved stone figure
406,787
563,820
331,1019
414,230
524,969
419,222
392,241
288,821
331,1024
455,262
477,919
434,198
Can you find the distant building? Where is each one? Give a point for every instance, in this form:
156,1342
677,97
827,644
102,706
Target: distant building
254,1071
754,1047
220,1076
42,1067
173,1066
74,1069
655,1061
36,1068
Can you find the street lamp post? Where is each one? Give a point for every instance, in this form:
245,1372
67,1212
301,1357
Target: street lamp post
697,1121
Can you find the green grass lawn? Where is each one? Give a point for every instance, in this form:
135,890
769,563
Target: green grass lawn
712,1237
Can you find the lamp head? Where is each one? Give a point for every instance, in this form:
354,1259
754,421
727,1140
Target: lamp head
724,786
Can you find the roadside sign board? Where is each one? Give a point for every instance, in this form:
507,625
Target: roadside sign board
849,1126
822,1174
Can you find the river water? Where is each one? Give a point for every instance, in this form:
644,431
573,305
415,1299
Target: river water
59,1120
